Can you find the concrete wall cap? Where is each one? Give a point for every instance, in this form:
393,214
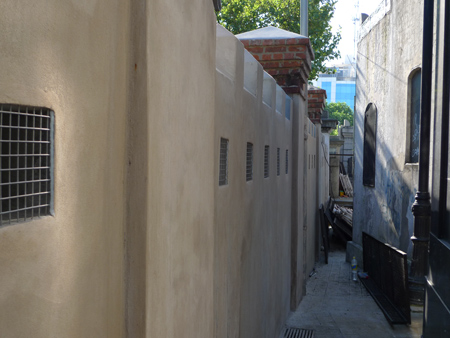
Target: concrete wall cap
270,33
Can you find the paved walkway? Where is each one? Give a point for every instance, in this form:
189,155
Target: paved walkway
337,307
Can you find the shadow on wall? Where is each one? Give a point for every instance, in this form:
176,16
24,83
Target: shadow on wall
379,67
386,206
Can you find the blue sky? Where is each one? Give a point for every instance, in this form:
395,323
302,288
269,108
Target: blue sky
346,11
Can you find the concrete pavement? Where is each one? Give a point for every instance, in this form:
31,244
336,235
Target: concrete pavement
337,307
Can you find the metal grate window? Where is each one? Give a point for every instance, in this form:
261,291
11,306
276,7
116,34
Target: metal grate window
223,164
266,161
249,162
287,161
26,134
278,161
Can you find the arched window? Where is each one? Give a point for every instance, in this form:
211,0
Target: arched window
370,142
414,116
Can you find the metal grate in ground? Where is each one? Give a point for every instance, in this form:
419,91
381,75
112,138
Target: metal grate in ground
298,333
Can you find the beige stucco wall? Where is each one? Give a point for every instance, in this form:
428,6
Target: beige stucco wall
311,230
180,176
171,193
252,218
129,251
62,276
298,256
143,242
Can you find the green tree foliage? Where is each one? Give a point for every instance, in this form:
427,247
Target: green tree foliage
240,16
339,111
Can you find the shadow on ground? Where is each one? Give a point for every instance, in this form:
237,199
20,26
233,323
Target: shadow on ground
337,307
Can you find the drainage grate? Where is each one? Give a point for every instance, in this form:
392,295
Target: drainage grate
298,333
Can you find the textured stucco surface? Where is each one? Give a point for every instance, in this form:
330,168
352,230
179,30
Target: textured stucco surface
179,178
386,58
144,243
252,218
266,230
61,276
130,247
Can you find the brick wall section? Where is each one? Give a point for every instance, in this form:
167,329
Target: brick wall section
288,61
316,103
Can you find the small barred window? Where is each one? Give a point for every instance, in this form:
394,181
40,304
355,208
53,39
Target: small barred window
223,165
266,161
278,161
26,134
249,163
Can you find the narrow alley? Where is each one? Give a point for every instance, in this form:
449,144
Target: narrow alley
337,307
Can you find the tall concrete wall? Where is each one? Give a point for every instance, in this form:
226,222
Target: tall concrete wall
387,55
298,257
171,200
62,275
144,243
253,219
311,197
129,251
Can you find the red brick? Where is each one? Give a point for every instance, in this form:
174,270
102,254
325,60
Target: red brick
267,42
300,56
297,48
293,41
270,64
256,49
315,105
266,57
288,56
291,64
275,49
254,42
278,56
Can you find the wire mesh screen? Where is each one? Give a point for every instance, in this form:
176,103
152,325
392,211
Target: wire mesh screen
223,165
287,162
26,187
249,163
278,161
266,161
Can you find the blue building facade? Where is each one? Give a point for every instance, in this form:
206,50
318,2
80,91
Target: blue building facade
340,86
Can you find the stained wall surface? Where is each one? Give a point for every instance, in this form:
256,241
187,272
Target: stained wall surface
253,219
179,195
143,241
130,247
387,56
62,275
